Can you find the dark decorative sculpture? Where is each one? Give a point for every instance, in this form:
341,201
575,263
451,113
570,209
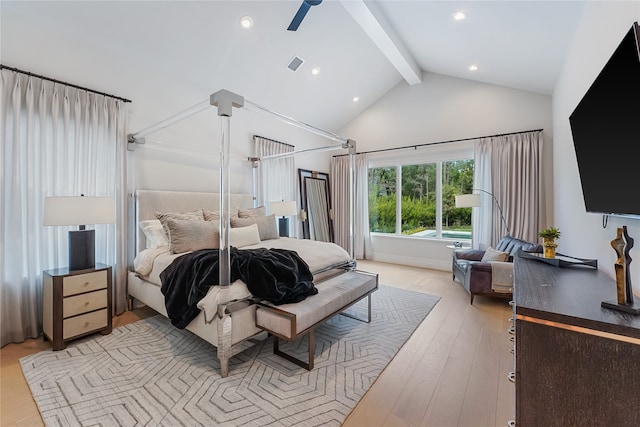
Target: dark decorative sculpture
618,245
627,259
622,244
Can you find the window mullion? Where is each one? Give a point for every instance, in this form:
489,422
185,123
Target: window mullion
439,199
398,200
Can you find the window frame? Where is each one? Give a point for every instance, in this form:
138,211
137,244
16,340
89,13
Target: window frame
437,154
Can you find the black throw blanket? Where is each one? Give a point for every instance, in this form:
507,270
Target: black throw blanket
277,275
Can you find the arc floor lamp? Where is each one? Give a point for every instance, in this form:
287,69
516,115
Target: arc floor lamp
473,201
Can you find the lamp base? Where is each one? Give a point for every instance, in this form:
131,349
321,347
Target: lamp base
283,227
82,250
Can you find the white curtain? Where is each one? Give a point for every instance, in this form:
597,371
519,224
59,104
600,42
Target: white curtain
56,141
340,195
509,167
276,178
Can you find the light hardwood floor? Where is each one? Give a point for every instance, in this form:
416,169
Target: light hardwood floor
451,372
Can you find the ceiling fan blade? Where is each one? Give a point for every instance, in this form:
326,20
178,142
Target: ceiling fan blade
295,22
304,8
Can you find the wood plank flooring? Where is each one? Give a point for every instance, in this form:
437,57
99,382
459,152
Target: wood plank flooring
451,372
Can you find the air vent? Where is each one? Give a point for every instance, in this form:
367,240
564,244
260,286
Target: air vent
295,63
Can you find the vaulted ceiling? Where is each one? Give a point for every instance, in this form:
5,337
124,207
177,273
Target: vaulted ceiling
363,49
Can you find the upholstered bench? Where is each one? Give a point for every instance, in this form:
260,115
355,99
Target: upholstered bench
292,321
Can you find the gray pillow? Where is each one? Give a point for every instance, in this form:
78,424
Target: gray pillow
266,225
493,255
251,212
188,235
196,215
215,215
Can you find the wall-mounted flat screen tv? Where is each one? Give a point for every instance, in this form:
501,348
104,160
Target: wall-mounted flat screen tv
606,133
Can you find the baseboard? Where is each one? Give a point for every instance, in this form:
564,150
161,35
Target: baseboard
412,261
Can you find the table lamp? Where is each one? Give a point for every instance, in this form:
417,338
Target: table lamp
283,209
80,211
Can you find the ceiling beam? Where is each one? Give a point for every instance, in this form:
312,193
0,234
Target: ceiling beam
373,22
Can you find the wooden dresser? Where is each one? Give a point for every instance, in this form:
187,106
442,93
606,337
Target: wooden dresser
76,303
577,364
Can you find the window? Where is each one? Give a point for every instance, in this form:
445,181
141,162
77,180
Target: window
418,200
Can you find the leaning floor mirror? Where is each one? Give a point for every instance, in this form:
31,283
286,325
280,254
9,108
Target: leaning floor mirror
316,202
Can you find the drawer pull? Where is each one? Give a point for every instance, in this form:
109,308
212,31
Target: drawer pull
86,303
86,324
86,284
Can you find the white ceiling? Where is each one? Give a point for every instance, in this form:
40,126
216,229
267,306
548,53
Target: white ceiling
133,49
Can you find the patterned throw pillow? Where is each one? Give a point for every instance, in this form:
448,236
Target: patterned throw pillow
250,213
494,255
196,215
188,235
215,215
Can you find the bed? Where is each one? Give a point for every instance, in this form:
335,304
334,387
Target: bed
227,316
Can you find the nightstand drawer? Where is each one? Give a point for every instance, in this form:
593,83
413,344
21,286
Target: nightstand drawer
82,324
84,302
84,283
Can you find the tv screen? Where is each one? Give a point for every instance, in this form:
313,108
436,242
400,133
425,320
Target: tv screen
606,133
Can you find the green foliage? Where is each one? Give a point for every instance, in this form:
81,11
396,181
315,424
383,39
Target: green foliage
550,233
419,197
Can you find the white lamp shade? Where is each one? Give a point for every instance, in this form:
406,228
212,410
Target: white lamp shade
283,208
467,201
79,210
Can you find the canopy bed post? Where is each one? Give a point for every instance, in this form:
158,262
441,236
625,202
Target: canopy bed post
225,101
351,145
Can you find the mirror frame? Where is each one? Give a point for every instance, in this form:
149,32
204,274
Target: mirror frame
303,175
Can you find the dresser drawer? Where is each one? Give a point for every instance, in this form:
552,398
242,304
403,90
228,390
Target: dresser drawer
85,323
83,303
84,283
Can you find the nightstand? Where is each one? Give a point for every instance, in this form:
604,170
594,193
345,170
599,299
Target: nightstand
76,303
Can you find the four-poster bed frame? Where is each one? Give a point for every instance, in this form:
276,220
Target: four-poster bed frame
225,101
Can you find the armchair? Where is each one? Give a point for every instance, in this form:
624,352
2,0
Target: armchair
476,276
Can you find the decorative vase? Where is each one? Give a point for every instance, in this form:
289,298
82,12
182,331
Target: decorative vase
549,252
550,246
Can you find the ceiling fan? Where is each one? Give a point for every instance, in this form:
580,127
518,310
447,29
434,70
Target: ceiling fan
304,8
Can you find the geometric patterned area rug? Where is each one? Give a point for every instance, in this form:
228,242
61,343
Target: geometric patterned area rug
150,373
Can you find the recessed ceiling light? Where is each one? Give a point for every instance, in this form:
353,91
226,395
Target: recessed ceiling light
473,68
356,99
459,16
315,71
246,22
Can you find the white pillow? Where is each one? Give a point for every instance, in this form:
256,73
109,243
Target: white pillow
266,225
154,233
244,236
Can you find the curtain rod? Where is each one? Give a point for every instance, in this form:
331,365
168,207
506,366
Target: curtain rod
442,142
273,140
17,70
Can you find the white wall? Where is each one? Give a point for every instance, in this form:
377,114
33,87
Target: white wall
444,108
602,27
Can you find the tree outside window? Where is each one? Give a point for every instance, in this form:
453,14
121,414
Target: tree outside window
425,191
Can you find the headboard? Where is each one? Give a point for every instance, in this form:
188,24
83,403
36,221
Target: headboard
148,202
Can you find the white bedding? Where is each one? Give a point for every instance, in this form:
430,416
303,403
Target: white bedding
318,255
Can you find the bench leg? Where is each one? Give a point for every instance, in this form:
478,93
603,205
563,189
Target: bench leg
368,320
311,350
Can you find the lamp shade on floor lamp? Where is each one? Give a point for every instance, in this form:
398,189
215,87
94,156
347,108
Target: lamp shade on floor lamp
80,211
